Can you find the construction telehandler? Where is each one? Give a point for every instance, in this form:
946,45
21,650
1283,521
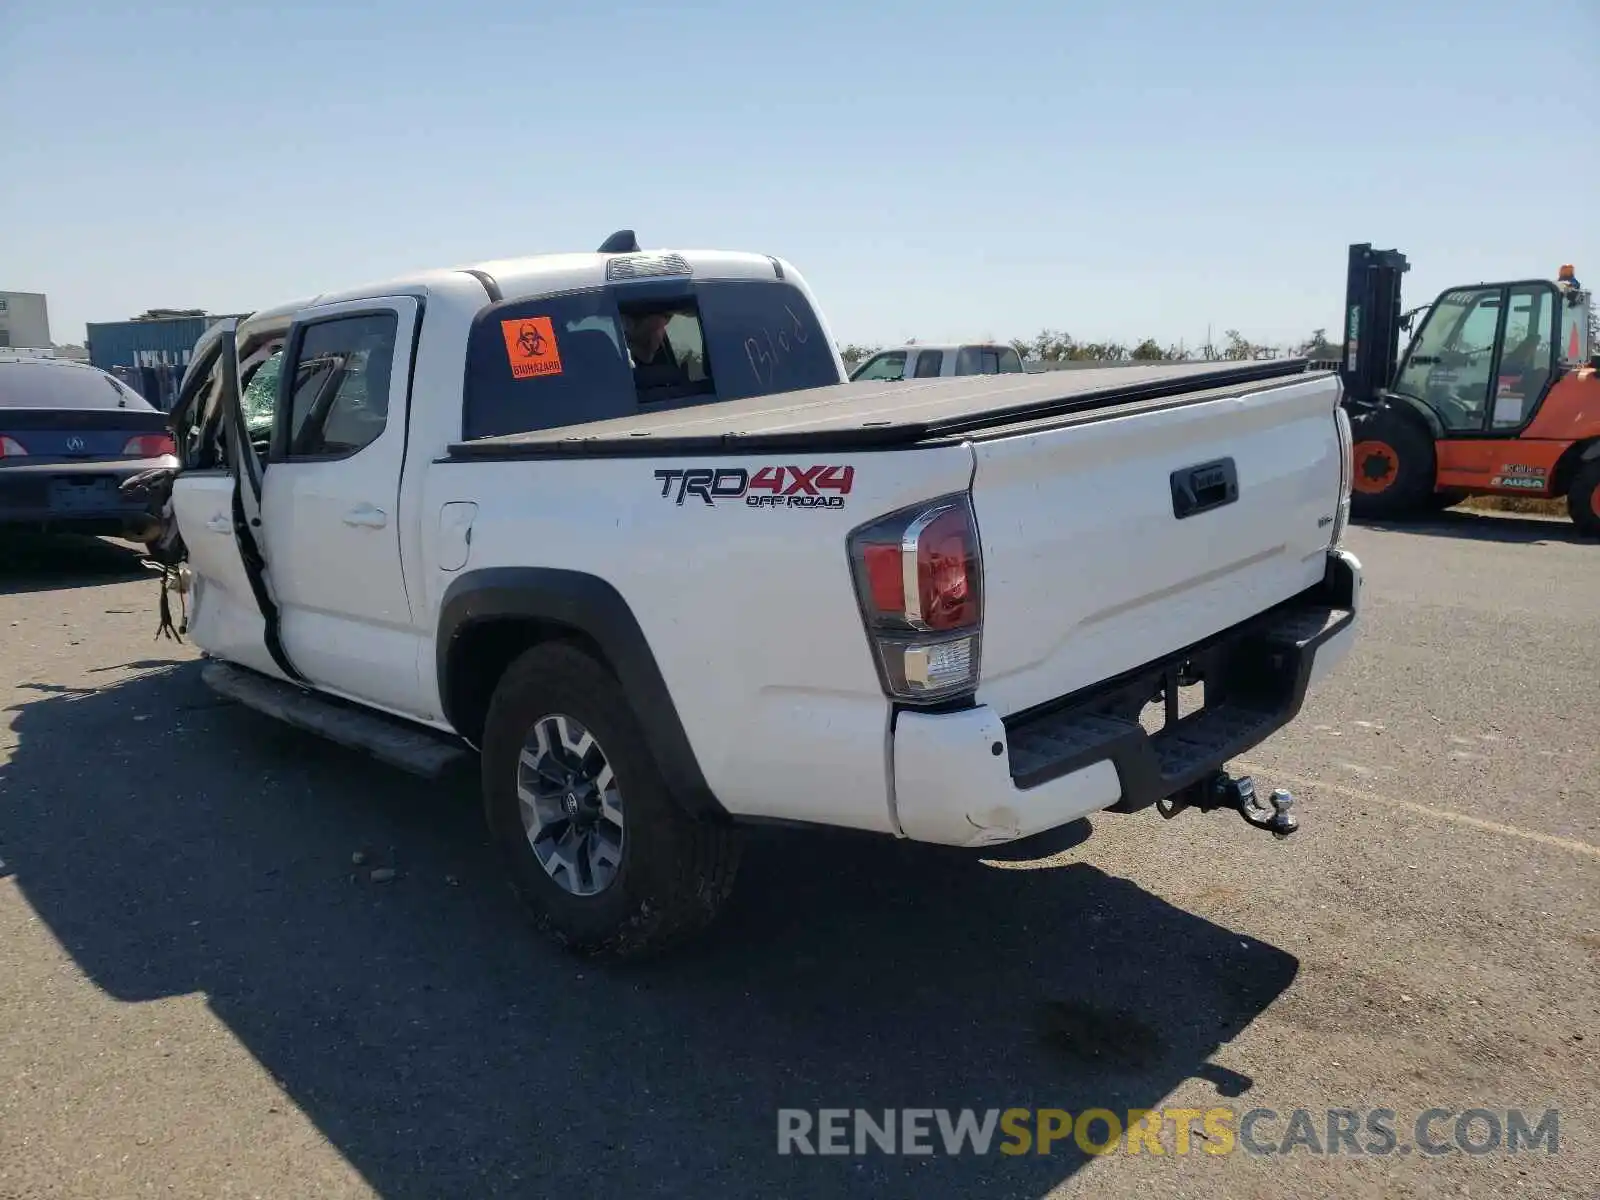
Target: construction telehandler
1497,392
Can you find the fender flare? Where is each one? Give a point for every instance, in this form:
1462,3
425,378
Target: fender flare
1392,404
1576,456
587,605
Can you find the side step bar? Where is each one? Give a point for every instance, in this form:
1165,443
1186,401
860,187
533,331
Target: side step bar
388,739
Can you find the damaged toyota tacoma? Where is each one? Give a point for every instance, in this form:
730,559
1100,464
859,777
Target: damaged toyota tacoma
617,524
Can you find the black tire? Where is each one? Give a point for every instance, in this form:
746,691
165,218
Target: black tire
1583,499
675,871
1395,466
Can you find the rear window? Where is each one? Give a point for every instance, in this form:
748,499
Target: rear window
45,383
641,347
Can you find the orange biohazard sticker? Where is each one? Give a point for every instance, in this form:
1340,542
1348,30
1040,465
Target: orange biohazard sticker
531,347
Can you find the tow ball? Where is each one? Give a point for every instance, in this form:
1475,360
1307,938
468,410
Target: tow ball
1238,793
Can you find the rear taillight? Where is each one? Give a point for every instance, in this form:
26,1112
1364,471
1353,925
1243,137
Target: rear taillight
1347,471
149,445
11,448
919,578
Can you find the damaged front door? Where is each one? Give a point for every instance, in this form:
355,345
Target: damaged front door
216,501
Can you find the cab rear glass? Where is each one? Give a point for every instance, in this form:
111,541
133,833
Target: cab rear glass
635,347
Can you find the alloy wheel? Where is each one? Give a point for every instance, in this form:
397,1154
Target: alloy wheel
571,806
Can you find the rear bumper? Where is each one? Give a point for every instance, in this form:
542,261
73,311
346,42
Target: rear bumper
971,778
74,495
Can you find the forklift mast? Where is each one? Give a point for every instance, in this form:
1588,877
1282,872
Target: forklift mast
1371,321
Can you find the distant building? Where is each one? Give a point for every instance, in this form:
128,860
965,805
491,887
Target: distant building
24,321
150,352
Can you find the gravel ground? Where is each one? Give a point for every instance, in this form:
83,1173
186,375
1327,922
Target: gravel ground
203,993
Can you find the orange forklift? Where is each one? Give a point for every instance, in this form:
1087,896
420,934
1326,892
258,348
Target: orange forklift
1497,393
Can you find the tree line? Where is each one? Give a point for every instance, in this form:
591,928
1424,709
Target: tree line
1050,346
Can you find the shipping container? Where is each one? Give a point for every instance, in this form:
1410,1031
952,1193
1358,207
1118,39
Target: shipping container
149,354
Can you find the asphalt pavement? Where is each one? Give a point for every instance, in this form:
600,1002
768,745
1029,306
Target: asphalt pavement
204,992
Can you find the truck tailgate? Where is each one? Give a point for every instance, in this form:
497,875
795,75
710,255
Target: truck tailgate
1132,533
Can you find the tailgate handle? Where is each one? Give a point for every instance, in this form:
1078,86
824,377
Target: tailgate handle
1205,486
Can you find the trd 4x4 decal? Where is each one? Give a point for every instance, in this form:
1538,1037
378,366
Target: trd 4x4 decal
768,487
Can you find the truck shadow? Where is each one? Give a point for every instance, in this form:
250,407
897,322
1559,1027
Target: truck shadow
1508,528
445,1049
33,562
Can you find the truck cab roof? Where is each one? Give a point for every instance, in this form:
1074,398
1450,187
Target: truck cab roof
732,324
546,274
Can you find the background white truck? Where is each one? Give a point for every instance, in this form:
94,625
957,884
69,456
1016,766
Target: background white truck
940,362
668,585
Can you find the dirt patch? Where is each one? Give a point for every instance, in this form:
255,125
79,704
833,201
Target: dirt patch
1531,505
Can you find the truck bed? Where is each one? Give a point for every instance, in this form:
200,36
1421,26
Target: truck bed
880,415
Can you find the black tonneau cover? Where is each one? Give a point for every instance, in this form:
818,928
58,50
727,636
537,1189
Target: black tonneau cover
876,415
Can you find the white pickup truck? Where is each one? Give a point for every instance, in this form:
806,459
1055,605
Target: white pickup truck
616,522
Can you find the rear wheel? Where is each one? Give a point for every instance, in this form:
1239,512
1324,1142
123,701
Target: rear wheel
1583,499
603,858
1394,466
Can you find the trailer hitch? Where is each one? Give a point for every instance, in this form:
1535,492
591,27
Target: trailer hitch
1222,790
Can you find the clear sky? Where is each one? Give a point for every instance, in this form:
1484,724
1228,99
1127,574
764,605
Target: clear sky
1114,169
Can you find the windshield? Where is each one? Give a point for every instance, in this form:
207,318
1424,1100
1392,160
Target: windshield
1449,362
260,397
890,366
1485,356
50,383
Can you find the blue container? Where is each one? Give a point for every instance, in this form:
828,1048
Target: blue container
164,342
149,355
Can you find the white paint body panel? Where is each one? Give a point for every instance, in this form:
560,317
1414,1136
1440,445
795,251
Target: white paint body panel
223,617
1086,572
751,613
331,537
952,789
